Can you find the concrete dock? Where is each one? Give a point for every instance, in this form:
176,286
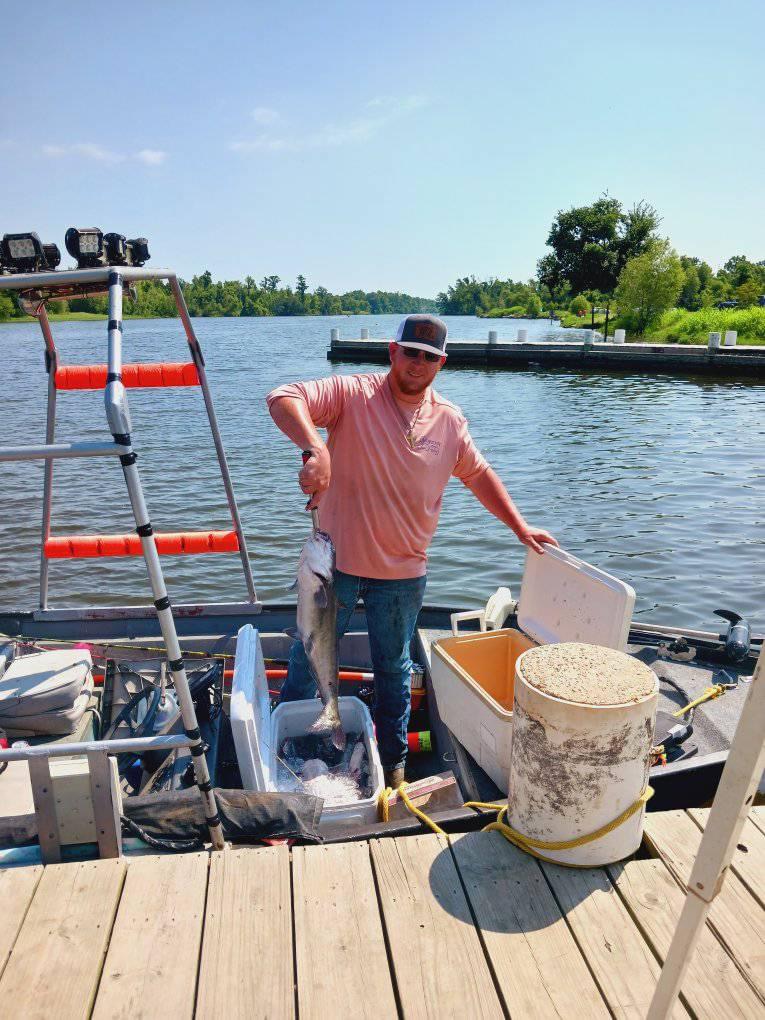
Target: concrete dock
597,356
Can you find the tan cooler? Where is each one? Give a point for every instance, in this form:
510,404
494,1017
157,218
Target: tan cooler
562,599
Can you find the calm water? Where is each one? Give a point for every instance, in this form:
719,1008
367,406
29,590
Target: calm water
658,480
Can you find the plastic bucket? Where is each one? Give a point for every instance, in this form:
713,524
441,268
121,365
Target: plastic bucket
583,723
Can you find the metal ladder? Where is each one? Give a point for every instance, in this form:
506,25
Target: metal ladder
35,290
90,377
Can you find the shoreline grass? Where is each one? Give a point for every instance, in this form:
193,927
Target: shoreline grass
679,326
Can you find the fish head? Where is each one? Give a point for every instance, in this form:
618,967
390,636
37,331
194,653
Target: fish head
318,555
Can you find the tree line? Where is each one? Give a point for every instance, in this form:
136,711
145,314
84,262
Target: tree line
605,257
207,297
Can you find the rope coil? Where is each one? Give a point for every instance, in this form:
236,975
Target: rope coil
518,839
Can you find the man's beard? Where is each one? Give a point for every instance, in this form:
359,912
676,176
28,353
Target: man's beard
413,387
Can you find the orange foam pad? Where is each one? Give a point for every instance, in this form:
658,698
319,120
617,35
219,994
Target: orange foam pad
179,543
93,377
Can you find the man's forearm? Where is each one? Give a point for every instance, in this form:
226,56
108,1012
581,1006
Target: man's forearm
489,490
290,414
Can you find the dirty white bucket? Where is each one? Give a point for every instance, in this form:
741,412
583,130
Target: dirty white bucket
583,722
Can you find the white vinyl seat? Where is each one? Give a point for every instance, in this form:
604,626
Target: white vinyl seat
46,692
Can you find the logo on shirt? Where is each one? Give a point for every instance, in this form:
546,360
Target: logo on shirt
425,445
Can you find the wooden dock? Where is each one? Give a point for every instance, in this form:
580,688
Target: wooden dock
415,927
685,359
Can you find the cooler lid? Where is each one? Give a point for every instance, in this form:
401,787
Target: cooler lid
251,710
565,599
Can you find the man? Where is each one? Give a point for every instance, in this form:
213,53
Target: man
393,443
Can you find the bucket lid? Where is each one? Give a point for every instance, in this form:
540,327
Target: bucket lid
565,599
251,701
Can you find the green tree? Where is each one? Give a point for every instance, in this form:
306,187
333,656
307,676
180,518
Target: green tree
579,305
591,244
7,307
534,306
301,287
649,285
690,292
747,294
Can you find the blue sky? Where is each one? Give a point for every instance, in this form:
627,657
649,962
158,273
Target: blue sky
393,146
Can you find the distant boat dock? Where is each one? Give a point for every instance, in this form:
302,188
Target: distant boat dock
590,354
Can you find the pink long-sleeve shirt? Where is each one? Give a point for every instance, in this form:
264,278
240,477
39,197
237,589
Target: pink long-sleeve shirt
383,502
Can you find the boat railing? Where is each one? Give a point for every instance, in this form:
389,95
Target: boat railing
103,794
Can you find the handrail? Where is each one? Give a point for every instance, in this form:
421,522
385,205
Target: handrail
130,745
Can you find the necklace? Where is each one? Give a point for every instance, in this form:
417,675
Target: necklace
407,426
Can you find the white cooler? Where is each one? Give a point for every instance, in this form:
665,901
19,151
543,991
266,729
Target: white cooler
258,732
562,599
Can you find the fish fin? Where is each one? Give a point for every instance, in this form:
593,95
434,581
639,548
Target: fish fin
321,597
293,586
338,737
329,723
292,632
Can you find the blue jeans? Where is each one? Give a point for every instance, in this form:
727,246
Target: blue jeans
392,608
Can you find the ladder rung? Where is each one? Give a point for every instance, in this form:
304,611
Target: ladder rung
66,547
59,450
161,373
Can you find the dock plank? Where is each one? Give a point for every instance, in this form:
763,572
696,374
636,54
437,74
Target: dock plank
341,960
736,917
713,986
748,861
536,961
246,968
55,965
439,963
623,965
757,815
17,887
151,966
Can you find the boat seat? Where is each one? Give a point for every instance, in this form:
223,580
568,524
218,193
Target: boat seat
46,692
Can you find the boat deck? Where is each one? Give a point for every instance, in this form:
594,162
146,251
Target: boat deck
416,926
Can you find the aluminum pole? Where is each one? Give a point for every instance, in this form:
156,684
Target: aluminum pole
118,416
730,809
199,361
51,363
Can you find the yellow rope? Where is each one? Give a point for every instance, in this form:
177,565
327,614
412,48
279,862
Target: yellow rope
709,694
531,846
525,843
383,807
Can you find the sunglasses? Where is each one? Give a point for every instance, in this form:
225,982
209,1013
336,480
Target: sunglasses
415,352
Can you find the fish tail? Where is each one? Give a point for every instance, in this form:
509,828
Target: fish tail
329,723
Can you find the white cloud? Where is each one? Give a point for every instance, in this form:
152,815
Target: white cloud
97,153
90,150
151,157
386,109
264,115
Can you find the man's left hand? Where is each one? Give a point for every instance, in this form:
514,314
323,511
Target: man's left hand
536,538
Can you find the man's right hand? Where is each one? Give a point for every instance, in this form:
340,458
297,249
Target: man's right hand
315,475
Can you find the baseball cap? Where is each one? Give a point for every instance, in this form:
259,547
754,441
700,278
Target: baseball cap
425,332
